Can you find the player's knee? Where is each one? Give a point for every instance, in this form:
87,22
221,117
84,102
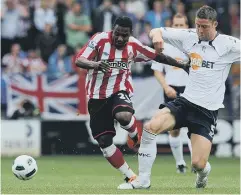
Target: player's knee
105,140
199,163
157,124
175,133
124,118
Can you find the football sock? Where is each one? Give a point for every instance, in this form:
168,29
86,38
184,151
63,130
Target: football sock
204,172
116,159
146,156
177,149
131,127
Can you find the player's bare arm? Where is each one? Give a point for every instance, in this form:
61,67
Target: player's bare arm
82,62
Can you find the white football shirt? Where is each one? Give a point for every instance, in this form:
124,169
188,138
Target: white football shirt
173,75
210,64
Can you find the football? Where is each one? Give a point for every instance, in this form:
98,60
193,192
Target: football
24,167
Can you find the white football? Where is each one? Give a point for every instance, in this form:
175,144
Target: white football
24,167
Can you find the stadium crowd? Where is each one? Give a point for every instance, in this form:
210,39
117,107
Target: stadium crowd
43,36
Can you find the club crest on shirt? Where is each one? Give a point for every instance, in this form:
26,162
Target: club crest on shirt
92,44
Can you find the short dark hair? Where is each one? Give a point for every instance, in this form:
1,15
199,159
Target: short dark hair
123,21
207,12
179,15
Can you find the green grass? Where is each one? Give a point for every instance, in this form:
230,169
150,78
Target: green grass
93,175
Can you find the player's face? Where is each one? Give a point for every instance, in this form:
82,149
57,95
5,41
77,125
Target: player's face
120,36
205,29
179,23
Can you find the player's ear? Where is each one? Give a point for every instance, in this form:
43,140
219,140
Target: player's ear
215,24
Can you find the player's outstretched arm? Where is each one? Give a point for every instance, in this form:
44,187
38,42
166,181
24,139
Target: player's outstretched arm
165,59
82,62
173,36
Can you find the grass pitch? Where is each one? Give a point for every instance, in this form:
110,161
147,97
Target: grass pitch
94,175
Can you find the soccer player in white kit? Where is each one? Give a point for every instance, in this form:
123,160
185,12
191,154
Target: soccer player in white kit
173,84
212,55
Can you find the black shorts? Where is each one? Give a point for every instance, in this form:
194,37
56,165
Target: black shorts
197,119
102,112
179,90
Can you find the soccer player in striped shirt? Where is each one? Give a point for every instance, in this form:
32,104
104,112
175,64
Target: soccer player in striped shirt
108,57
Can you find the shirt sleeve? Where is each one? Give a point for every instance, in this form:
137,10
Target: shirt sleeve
234,54
176,37
143,53
89,51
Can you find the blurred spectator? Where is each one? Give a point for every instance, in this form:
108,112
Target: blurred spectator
10,25
144,37
62,7
59,63
24,38
12,62
235,20
123,11
168,7
46,42
78,25
137,7
104,17
157,17
26,110
168,23
89,6
44,15
181,9
33,64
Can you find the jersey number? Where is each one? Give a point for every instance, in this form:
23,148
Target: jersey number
124,97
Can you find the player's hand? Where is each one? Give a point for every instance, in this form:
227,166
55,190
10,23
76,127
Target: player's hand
158,42
170,92
103,66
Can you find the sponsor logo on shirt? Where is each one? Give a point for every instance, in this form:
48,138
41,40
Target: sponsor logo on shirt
119,65
197,62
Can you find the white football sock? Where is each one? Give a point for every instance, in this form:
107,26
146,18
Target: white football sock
177,149
204,172
126,170
146,156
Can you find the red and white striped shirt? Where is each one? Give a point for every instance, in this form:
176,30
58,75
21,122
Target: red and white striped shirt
101,85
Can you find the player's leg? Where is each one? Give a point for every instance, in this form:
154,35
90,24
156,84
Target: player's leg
162,121
123,112
201,131
114,155
201,148
177,150
102,127
170,115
